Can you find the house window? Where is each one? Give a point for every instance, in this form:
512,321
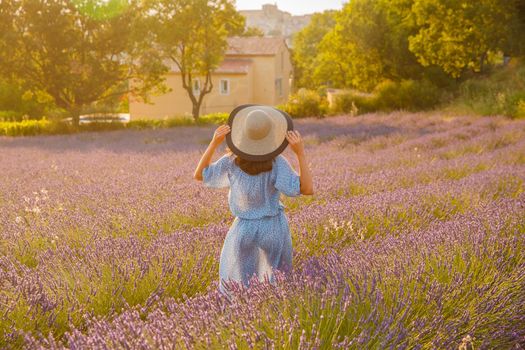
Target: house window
225,87
196,87
279,86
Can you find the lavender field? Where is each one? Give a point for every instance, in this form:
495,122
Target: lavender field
414,239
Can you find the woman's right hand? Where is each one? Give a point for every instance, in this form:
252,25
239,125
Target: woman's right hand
295,141
219,134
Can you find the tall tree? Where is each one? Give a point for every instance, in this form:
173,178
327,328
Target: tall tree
306,48
341,64
515,46
192,34
368,43
76,53
352,54
459,35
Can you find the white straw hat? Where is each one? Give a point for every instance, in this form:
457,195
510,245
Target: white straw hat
258,132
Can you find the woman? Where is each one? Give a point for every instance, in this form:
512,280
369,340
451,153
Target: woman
259,238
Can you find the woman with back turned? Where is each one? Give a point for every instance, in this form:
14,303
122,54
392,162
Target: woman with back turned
259,238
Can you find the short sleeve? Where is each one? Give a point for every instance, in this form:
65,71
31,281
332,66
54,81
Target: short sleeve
215,175
286,179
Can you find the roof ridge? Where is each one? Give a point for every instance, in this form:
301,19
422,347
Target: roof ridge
254,45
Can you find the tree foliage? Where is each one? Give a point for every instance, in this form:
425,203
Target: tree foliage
350,52
459,35
306,48
252,31
370,41
76,53
17,104
367,43
192,34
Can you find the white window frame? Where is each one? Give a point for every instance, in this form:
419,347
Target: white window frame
228,83
196,92
279,86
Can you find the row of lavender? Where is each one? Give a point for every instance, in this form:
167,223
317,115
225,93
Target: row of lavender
423,208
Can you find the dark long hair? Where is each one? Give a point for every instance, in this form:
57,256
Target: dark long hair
252,167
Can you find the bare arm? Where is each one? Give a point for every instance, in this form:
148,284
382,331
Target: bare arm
296,143
218,138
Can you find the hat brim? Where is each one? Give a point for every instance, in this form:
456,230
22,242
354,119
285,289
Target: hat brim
258,157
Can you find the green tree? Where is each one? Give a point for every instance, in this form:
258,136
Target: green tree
306,48
16,104
515,46
252,31
350,52
341,64
369,43
459,35
192,34
77,53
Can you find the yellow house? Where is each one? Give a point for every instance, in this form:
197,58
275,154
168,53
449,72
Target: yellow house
255,70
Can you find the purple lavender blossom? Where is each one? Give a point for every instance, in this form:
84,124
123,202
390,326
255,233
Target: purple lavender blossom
415,239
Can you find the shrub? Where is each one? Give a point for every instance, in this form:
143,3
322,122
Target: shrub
501,93
305,103
515,105
422,94
387,95
214,118
354,103
9,115
16,104
24,128
160,123
47,127
520,110
408,95
140,124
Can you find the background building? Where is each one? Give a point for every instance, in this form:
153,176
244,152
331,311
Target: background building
274,22
255,70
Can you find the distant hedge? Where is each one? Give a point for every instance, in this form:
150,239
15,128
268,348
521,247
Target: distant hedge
26,127
48,127
409,95
501,93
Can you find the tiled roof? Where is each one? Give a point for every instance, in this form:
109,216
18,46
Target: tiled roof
244,46
229,65
254,46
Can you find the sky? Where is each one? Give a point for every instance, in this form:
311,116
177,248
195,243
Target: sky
295,7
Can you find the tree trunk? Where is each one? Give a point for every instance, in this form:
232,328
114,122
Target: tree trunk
75,117
196,110
482,62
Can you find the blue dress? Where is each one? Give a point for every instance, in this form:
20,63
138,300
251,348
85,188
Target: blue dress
258,240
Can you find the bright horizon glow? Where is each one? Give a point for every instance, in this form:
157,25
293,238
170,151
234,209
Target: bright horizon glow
295,7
